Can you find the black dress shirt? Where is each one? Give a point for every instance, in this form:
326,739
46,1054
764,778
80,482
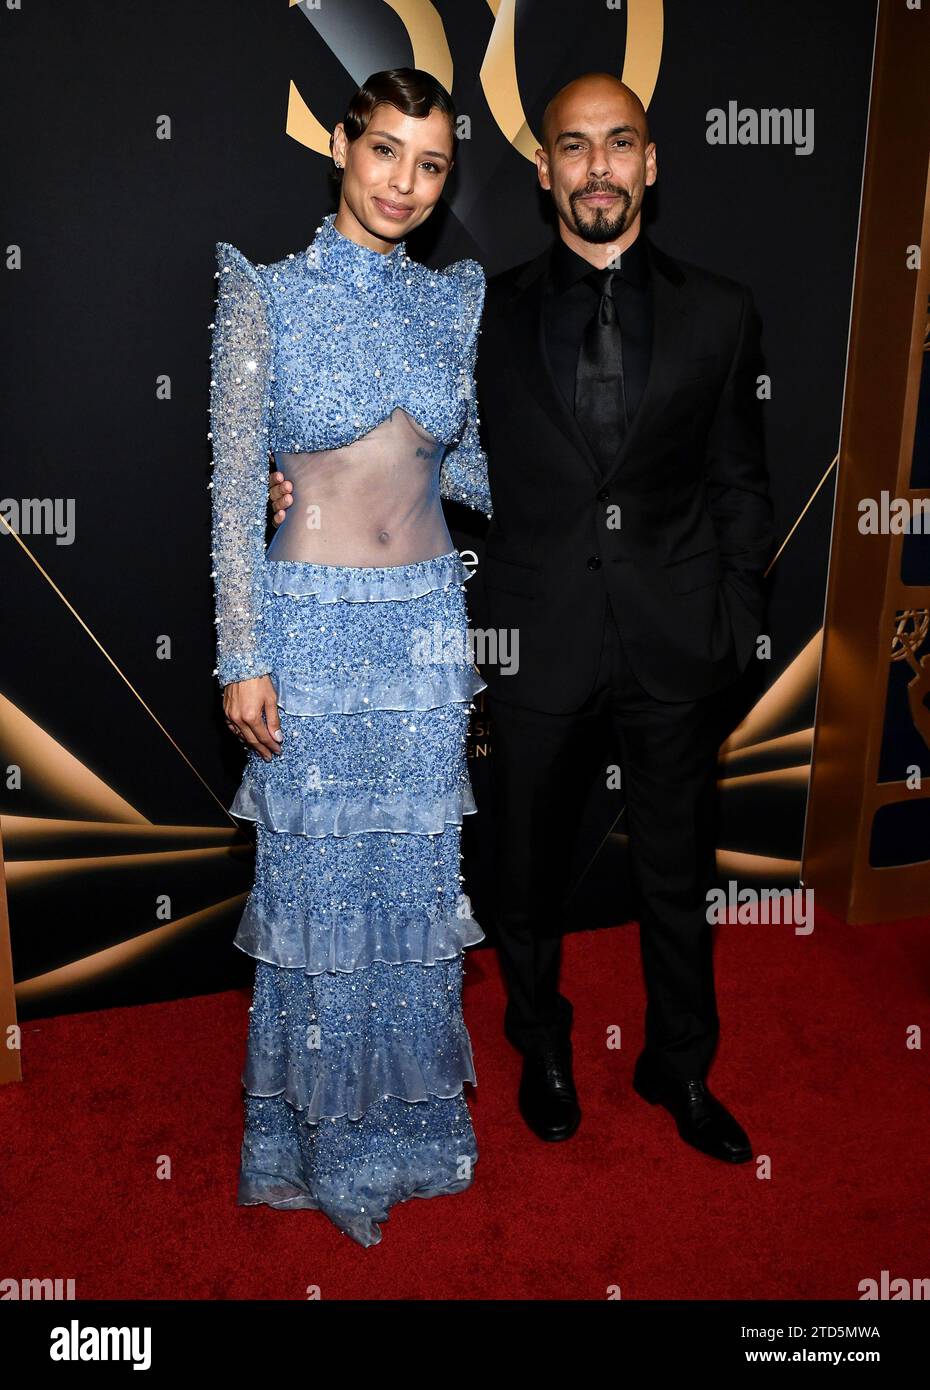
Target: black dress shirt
571,301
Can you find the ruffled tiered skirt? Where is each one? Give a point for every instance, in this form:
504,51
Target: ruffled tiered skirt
357,1052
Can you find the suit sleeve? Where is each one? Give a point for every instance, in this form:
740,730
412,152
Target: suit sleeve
737,483
463,475
240,409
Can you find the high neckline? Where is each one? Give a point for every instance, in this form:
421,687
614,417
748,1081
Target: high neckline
338,255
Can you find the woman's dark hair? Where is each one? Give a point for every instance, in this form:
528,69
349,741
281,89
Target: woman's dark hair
412,91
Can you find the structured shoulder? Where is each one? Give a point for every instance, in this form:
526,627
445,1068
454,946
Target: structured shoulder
468,271
230,259
469,277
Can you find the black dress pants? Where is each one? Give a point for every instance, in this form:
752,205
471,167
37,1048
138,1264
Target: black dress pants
542,770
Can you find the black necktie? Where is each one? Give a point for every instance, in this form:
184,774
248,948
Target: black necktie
600,395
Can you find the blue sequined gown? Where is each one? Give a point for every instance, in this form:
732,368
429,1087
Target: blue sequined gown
357,370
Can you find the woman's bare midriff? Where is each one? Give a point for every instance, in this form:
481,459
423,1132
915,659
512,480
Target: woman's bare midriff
372,503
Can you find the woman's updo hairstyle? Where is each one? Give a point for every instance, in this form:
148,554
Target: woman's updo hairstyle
412,91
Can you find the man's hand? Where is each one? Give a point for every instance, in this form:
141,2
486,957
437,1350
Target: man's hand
280,495
251,710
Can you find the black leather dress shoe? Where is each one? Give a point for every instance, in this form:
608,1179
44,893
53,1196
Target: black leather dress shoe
548,1100
703,1121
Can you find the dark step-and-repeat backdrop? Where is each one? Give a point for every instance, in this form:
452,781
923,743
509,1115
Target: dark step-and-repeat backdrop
138,137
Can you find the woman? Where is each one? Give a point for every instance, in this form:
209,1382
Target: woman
354,364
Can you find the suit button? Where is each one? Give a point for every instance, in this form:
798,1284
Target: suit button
594,562
603,495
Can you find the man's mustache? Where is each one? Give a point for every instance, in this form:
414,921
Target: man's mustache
606,188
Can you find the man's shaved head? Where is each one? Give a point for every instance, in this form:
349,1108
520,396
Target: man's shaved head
590,87
596,159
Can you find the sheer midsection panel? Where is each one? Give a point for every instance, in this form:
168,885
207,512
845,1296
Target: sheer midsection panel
373,502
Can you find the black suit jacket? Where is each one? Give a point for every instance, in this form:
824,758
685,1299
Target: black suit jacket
675,536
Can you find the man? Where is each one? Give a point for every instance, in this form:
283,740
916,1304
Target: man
631,527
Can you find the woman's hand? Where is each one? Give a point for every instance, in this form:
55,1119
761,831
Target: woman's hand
280,495
251,710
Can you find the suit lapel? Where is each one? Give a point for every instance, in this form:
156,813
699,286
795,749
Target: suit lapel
525,318
668,344
525,314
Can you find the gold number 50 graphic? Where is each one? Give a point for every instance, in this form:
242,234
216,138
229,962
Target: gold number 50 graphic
645,22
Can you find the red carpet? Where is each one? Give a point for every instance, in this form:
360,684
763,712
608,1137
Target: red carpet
813,1060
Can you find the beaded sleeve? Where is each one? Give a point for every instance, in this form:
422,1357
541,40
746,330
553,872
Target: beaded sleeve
240,414
464,472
